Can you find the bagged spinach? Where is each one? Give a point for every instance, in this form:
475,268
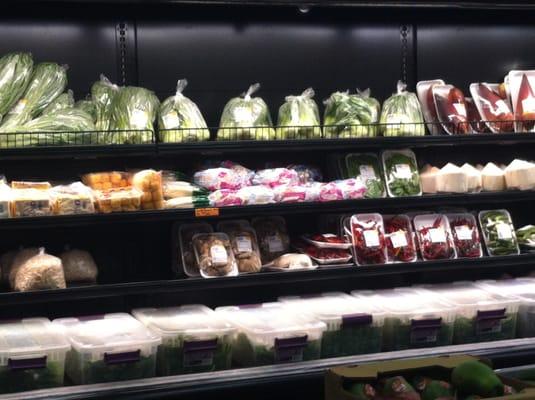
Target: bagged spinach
63,101
402,114
15,72
299,117
246,118
102,94
180,120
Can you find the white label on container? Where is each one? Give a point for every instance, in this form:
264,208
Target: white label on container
219,254
403,171
21,104
463,232
170,120
503,231
371,238
139,119
502,107
244,245
367,172
398,239
528,105
275,244
460,108
437,235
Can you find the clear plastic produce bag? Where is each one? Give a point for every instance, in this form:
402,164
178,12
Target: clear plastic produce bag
299,117
15,73
62,102
402,114
102,94
246,118
79,266
180,120
37,271
88,106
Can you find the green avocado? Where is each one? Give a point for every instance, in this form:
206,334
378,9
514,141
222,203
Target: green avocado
438,390
362,391
476,378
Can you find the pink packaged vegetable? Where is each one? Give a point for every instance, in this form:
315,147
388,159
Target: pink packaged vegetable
275,177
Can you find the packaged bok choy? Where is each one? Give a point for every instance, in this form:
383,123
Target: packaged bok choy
299,117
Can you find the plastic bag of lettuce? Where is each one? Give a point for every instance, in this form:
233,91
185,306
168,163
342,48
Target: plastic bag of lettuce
299,117
246,118
102,94
15,73
402,114
63,101
180,120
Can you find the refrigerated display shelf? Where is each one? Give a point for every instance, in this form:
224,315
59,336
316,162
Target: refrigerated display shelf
502,353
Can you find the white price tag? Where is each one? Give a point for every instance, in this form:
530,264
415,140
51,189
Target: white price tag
403,171
218,254
437,235
367,172
460,108
139,119
244,245
398,239
502,107
504,231
275,244
170,120
463,232
371,238
528,105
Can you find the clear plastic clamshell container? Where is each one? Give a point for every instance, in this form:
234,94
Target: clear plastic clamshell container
354,326
368,236
498,232
270,333
185,240
401,173
194,338
32,355
214,255
434,237
399,238
465,235
482,316
109,347
412,319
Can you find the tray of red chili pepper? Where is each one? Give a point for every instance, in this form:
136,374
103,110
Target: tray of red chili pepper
434,237
368,239
327,241
322,255
399,238
465,235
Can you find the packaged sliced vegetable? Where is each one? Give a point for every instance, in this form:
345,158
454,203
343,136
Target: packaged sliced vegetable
273,238
299,117
429,179
402,114
220,178
186,232
424,89
522,85
352,188
102,94
15,73
401,173
494,110
465,234
225,198
75,198
520,174
434,237
214,255
451,109
330,192
89,107
251,195
63,101
492,178
368,234
180,120
275,177
297,193
366,167
245,247
498,232
476,121
399,238
48,80
246,118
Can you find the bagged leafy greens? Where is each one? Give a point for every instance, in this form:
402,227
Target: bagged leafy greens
299,117
88,106
133,112
246,118
47,82
402,114
180,120
102,94
348,116
15,72
63,101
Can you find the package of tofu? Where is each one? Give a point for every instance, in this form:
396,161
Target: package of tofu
492,178
473,176
452,179
428,178
520,174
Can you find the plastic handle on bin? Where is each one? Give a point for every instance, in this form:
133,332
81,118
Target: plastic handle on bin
356,320
298,341
200,345
27,363
425,330
246,306
431,323
122,358
91,317
290,349
491,315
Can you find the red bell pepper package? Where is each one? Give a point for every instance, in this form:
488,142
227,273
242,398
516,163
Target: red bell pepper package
399,238
425,95
477,123
465,234
451,109
368,239
522,86
434,237
492,107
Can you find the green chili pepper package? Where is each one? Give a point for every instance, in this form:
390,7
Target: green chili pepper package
299,117
498,232
246,118
402,114
102,94
15,73
401,173
180,120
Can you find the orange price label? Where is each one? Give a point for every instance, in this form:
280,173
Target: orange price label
206,212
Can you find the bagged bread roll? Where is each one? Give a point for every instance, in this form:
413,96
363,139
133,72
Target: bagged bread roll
149,182
36,271
79,266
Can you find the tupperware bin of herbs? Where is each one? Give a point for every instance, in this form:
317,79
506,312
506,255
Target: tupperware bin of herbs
465,235
108,347
367,231
401,173
194,338
399,238
354,325
271,333
481,316
434,237
32,355
412,320
498,232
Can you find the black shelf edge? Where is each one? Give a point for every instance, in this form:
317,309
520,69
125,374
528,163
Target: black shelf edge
515,349
263,279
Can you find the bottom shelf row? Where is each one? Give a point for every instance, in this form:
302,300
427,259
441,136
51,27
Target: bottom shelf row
194,338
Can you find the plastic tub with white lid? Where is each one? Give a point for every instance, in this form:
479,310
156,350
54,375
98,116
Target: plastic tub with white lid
108,347
270,333
32,355
194,338
412,319
354,326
